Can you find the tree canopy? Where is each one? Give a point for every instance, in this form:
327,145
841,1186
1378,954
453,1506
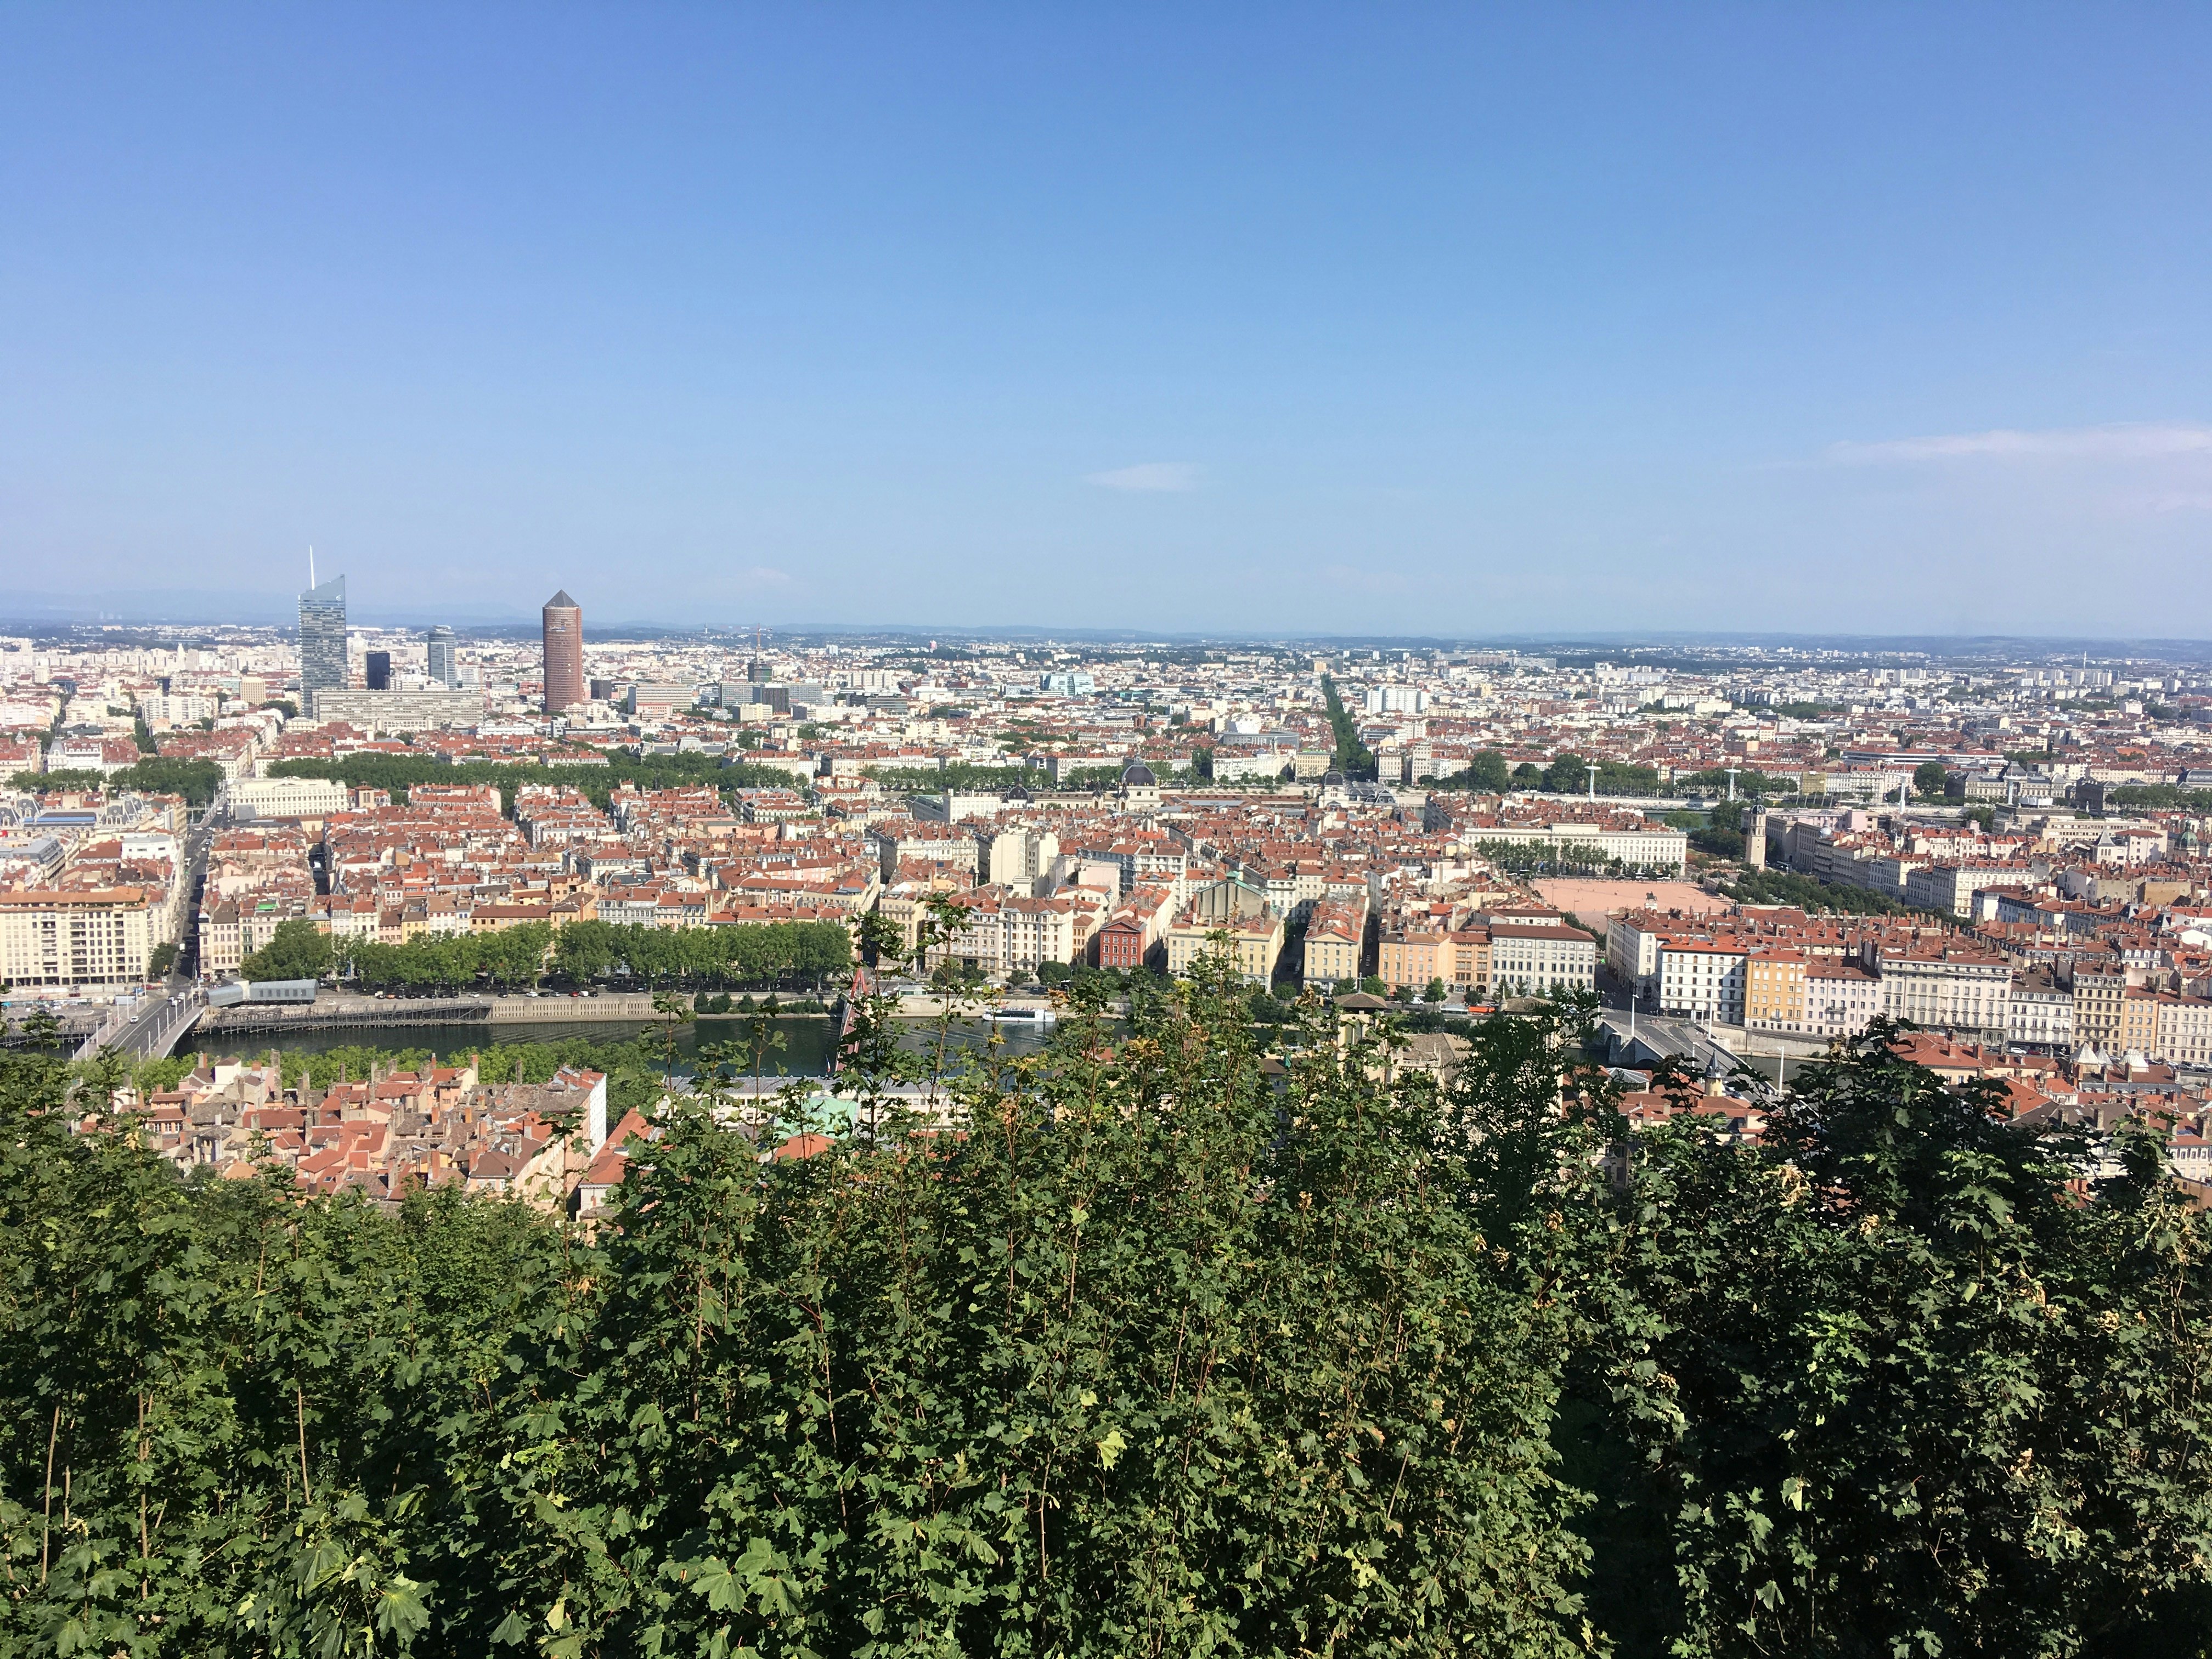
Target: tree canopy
297,949
1352,757
1191,1337
578,953
596,780
196,780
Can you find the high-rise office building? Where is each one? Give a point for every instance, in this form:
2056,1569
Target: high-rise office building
380,670
564,652
442,669
322,641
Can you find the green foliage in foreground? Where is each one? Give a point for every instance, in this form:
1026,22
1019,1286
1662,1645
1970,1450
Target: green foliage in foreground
1897,1389
1164,1355
1102,1376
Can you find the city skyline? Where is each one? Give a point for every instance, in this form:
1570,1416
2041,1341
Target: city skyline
1440,324
1481,737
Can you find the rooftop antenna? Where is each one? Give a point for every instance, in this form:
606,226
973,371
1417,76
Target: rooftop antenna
311,564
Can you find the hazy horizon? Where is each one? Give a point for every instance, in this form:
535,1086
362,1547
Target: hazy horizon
1422,324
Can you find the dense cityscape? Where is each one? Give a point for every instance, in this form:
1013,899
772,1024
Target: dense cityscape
1738,850
980,832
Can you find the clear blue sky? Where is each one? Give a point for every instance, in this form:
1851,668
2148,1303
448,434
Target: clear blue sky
1420,320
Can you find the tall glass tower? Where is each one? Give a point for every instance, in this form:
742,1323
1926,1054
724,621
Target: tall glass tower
322,641
442,671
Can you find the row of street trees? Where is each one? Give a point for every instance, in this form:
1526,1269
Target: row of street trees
597,779
1489,773
1566,858
577,952
196,780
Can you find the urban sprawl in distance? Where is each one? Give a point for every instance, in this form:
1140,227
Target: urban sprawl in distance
1736,850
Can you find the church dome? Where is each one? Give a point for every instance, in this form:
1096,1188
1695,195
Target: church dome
1139,776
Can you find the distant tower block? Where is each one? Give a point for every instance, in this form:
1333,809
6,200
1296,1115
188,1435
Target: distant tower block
1754,844
564,653
440,652
322,641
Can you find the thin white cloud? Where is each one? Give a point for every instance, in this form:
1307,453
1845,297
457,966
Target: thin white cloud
1152,476
2128,442
764,576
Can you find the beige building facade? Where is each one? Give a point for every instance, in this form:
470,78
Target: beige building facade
100,939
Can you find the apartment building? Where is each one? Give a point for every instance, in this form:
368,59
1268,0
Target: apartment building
1700,981
1336,942
2099,997
1004,931
1253,942
1466,962
1958,986
99,939
399,711
1407,959
1632,946
1950,887
2040,1012
1774,987
1530,959
1635,845
235,929
1019,856
2184,1030
2138,1021
1841,998
899,841
283,798
1131,936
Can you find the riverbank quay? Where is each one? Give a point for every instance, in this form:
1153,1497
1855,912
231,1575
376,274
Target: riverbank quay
335,1010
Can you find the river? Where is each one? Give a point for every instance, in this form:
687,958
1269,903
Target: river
805,1051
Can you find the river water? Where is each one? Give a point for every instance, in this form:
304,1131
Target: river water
805,1053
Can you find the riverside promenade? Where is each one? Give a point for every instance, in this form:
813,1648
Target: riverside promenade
335,1010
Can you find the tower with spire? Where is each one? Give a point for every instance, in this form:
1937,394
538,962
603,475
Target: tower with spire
322,637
